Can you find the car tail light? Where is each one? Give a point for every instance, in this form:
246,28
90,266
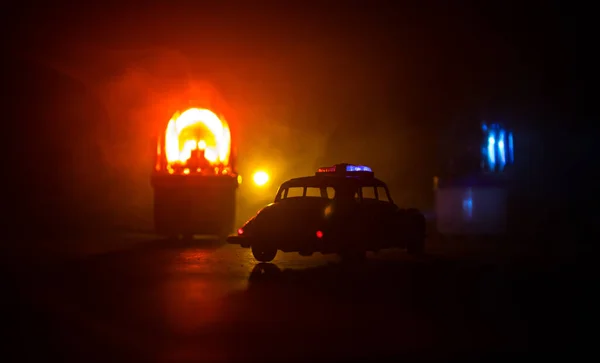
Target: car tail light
240,231
319,234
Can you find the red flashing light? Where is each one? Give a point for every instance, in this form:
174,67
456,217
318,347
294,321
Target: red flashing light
240,231
348,170
330,169
319,234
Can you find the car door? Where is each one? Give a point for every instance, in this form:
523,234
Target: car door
379,212
388,212
371,212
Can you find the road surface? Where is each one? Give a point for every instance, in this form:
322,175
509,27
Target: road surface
195,301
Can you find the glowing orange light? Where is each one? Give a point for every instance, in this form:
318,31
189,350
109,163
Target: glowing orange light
260,178
178,150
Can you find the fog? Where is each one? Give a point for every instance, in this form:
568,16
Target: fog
85,108
102,111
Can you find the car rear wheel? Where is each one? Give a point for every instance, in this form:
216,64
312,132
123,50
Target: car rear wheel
264,254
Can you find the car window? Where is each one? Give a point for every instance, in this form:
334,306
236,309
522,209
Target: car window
320,192
313,192
310,192
369,193
294,192
382,194
375,193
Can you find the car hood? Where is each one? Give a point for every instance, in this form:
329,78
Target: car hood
299,216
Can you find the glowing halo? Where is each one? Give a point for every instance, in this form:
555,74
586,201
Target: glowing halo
217,154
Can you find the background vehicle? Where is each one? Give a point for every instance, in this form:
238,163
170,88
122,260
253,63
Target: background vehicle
342,209
195,178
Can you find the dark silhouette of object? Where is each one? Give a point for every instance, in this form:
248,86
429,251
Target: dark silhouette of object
197,160
198,203
346,222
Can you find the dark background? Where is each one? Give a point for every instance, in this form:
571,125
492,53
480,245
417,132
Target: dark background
397,87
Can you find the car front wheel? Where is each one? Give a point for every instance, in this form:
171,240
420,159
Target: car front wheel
264,254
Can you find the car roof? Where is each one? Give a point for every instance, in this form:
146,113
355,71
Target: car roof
323,181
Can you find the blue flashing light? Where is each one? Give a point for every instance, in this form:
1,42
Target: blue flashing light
351,168
510,148
501,149
498,150
467,205
491,151
346,169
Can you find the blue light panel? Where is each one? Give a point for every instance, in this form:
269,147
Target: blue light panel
511,155
346,169
467,204
351,168
498,148
491,150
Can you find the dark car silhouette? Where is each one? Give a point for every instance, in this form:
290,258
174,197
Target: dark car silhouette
342,209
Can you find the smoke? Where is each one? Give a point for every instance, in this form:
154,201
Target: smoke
105,108
140,90
55,181
139,100
79,138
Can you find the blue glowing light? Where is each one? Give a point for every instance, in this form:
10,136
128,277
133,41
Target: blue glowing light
491,151
341,169
510,148
497,146
351,168
501,149
467,204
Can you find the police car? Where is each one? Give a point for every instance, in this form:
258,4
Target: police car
342,209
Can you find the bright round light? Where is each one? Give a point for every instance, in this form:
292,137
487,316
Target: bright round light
260,178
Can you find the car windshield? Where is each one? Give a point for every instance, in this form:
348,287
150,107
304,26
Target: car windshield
343,191
376,193
311,192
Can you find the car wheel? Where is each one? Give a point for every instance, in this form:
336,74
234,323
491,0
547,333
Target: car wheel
264,254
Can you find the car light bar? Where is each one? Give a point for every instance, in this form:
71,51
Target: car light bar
346,169
358,168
